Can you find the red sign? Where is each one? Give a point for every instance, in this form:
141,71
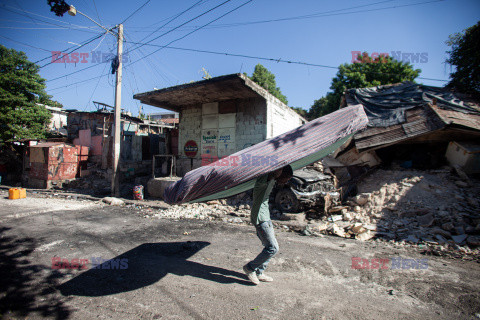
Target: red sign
190,149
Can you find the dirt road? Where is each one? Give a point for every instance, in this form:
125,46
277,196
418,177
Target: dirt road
183,269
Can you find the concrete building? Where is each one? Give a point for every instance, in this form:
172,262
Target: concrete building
165,117
221,116
59,119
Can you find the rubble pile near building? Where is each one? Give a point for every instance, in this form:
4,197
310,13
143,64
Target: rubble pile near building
435,207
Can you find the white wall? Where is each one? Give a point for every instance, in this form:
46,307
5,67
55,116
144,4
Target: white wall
281,119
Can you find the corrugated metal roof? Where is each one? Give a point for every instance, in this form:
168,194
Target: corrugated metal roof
422,116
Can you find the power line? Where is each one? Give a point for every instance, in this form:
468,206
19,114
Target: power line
25,44
82,81
312,16
28,13
181,25
265,59
325,14
143,5
172,19
75,48
95,89
98,16
236,8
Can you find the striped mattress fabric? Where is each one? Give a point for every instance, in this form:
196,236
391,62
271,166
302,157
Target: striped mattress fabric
298,147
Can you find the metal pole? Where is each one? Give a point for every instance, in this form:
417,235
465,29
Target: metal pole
118,105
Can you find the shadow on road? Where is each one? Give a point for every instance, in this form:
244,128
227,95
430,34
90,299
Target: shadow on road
147,264
25,287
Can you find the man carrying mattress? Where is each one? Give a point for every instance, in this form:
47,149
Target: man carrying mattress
260,218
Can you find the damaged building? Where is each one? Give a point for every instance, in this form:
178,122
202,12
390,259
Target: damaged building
414,125
221,116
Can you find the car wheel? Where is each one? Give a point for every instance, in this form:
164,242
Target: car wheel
286,201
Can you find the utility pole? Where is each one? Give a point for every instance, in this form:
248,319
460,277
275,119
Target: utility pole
61,7
117,118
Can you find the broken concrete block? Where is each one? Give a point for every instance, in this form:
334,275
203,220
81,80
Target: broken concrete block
362,199
336,217
347,216
322,226
336,230
443,233
426,220
365,236
113,201
300,217
459,239
358,229
448,226
440,239
473,241
411,238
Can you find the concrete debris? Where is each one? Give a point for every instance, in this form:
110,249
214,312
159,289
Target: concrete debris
411,207
402,206
426,220
364,236
459,239
362,199
113,201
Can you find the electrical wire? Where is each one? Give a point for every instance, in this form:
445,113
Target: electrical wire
263,58
143,5
95,89
75,48
310,16
170,20
25,44
199,28
71,26
325,14
82,81
181,25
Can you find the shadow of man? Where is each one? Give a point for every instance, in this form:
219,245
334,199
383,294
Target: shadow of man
145,265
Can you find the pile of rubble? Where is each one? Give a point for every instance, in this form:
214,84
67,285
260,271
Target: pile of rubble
434,207
212,210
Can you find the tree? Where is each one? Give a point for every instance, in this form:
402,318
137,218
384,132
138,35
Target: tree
21,91
370,72
465,56
266,79
300,111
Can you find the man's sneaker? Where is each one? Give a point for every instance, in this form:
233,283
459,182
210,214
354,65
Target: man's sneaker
252,275
263,277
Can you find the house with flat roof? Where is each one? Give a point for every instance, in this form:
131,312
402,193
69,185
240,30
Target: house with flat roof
221,116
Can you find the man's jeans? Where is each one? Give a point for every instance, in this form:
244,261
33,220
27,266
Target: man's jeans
267,236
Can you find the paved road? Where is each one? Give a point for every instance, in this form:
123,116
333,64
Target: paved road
191,269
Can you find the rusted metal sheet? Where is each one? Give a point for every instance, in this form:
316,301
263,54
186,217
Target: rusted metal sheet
56,161
471,121
420,121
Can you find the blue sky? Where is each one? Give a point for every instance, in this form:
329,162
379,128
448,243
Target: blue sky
322,33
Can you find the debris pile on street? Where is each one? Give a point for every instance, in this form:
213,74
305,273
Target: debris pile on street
436,207
217,209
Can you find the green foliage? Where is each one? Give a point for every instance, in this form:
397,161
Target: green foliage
465,56
266,79
21,88
370,72
300,111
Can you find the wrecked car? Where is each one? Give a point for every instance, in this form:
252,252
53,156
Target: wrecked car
307,188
